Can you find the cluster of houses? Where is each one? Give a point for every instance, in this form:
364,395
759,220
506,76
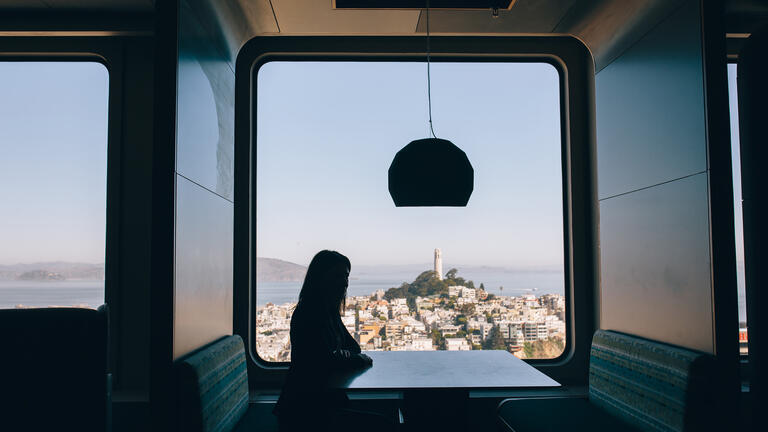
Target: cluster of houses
461,321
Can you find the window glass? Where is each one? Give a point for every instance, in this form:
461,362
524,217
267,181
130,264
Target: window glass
53,168
738,221
326,134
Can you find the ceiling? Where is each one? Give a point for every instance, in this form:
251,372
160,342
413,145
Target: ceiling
605,26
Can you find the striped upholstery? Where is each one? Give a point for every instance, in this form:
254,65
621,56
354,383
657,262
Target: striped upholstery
212,387
651,385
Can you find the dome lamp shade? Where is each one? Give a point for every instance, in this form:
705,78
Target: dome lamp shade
431,172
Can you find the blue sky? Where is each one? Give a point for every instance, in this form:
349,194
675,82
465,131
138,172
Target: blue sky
738,221
735,160
53,136
325,138
327,133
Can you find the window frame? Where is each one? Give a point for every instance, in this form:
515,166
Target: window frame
108,54
266,59
576,78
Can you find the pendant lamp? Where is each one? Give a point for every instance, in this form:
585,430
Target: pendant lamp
431,172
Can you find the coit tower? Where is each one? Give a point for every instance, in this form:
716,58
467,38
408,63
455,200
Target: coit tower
439,264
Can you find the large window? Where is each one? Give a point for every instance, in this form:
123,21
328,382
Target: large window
53,163
325,135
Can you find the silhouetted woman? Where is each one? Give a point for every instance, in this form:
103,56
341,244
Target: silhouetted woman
321,345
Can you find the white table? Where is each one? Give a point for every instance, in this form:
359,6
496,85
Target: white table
408,370
436,384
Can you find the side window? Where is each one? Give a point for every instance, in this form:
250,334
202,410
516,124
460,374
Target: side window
486,276
738,221
53,178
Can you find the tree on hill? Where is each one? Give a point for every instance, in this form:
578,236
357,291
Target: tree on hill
399,292
494,341
438,339
467,309
428,284
425,284
411,301
451,274
451,279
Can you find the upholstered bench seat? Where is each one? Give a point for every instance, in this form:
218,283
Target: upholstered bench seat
558,414
634,384
212,391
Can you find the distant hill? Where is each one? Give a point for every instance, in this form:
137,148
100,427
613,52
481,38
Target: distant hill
58,270
275,270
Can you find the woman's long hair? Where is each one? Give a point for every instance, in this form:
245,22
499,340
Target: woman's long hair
314,295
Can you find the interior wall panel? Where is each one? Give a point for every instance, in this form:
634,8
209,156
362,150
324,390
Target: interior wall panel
203,306
205,113
656,259
655,263
204,183
650,108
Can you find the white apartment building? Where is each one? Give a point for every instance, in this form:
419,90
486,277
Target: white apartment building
477,339
448,329
394,329
455,290
422,344
457,344
483,326
465,300
365,314
534,331
382,309
428,316
399,309
424,304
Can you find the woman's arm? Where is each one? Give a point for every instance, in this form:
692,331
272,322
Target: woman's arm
344,359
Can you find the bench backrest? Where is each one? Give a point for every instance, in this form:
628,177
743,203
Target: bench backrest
212,387
53,369
654,386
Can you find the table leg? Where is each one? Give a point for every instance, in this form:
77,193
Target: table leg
435,409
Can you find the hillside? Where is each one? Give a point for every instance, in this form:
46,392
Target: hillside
52,271
275,270
427,284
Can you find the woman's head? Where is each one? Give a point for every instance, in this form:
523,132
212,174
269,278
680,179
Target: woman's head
325,285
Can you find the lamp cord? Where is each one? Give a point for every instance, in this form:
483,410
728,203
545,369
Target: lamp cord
429,78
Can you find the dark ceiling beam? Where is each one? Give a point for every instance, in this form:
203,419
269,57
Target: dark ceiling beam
58,23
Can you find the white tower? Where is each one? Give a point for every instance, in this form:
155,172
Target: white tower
439,264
